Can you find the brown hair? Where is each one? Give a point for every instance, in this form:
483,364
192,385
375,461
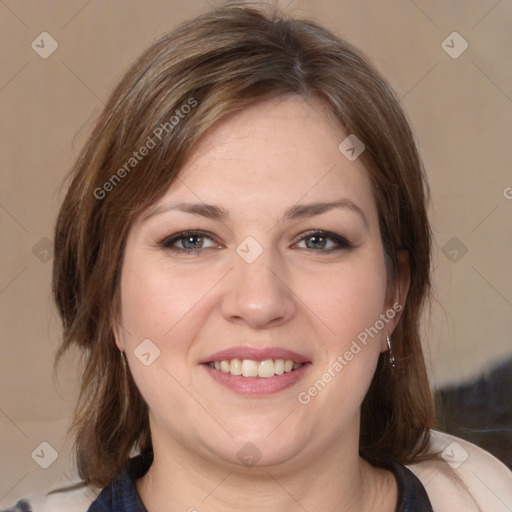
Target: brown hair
218,63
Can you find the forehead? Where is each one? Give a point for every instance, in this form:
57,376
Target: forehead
273,154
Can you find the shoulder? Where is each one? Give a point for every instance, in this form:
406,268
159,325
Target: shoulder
482,477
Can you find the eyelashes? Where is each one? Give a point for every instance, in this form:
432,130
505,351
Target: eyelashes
190,237
322,239
195,242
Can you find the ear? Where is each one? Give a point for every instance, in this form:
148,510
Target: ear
116,326
397,296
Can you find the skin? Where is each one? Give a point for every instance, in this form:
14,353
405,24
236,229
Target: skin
256,164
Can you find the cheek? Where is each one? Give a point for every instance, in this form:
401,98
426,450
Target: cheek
165,306
348,299
156,299
349,302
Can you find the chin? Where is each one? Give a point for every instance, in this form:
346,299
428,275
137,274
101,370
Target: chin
260,444
260,454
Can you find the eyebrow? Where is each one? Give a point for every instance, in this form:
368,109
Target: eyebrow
299,211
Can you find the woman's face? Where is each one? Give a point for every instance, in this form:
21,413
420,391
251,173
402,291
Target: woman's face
266,249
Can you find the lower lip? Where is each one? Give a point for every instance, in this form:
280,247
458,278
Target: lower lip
258,386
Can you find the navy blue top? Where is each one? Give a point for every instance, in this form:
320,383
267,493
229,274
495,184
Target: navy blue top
121,494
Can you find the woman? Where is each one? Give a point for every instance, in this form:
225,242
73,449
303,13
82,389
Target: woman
243,255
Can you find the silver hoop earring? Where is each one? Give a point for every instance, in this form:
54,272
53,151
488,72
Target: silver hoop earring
392,360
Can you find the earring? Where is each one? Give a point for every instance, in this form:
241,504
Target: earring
123,359
392,360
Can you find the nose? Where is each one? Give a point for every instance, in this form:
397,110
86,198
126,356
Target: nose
257,293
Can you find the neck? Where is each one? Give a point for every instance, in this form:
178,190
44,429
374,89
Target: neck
339,480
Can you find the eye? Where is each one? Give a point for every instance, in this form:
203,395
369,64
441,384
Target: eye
188,242
324,241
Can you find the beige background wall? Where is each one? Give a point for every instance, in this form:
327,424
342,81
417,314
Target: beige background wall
461,111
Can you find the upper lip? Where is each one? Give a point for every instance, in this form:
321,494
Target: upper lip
255,354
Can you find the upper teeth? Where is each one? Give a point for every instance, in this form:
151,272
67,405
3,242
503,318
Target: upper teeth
251,368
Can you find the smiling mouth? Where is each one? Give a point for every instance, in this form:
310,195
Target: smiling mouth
251,368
